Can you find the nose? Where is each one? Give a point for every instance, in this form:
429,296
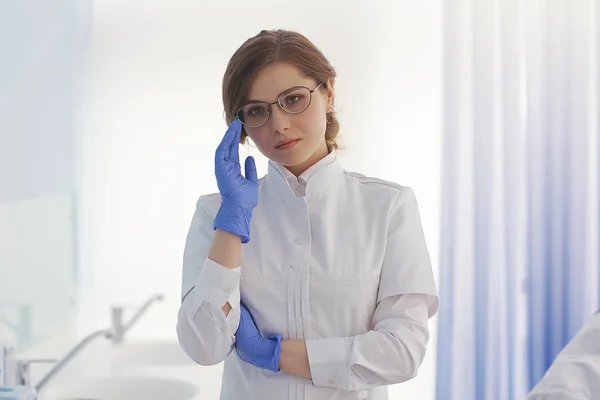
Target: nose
280,120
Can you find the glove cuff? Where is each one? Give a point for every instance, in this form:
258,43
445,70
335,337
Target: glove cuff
235,219
274,365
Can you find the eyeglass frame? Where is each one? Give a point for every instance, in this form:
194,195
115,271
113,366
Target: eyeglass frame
279,104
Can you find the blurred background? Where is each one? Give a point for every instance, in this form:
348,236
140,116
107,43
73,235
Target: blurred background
110,112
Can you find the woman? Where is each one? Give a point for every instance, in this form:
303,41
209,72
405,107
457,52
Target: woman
320,278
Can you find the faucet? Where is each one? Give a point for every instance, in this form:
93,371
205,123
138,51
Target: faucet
116,333
119,328
22,376
22,370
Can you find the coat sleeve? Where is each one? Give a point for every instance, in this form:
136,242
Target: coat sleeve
204,332
393,350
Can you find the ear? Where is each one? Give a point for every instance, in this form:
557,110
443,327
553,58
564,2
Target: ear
330,94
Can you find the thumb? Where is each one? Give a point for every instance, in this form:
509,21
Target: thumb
251,173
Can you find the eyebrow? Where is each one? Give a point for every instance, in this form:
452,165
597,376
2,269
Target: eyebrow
279,95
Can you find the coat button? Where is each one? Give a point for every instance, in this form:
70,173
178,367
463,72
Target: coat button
296,268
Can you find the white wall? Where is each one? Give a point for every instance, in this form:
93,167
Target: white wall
40,49
153,117
39,45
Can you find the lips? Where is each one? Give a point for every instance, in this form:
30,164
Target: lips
286,142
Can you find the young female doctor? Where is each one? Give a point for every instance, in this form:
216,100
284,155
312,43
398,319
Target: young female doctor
318,277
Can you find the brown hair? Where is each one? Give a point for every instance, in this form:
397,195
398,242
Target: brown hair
268,47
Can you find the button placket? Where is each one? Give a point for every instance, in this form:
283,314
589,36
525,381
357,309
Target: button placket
299,208
300,205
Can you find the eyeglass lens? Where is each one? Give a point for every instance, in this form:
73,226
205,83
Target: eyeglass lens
256,114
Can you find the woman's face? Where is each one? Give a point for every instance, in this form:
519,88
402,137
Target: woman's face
296,141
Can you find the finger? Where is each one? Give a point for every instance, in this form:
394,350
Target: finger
234,148
250,166
223,149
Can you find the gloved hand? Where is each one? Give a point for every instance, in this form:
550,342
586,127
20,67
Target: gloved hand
239,195
252,347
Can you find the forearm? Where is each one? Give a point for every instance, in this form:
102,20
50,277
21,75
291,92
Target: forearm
390,353
226,250
294,358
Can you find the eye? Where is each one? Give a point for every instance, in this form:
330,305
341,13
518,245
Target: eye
293,98
256,111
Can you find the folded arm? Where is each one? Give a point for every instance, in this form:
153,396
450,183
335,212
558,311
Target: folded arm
391,352
394,349
209,314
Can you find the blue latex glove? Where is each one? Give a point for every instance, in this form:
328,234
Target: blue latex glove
252,347
239,195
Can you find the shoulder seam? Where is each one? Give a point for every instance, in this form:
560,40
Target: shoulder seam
203,202
368,180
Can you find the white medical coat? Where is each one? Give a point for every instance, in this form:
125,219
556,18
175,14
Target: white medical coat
575,372
335,258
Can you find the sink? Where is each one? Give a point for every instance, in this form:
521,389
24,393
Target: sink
126,388
151,354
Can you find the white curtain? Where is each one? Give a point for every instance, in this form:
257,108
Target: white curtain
520,221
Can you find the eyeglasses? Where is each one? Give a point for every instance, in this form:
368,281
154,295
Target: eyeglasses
293,101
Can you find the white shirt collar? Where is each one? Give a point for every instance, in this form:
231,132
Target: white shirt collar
298,184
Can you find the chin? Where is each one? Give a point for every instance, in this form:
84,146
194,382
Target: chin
292,159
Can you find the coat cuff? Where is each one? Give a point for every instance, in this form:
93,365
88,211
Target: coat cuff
327,358
217,284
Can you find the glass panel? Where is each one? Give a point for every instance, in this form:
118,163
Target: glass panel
37,279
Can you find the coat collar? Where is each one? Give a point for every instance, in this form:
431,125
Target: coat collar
325,173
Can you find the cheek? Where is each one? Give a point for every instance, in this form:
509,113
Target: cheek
315,121
318,110
259,137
